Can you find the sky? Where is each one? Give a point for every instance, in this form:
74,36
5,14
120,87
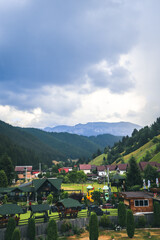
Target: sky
78,61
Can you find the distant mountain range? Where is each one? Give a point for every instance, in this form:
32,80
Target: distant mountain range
97,128
31,145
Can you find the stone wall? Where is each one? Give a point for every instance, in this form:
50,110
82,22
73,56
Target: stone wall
80,222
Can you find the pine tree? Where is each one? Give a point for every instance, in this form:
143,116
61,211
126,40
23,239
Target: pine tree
122,214
93,227
130,223
31,231
3,179
156,214
10,228
133,173
16,234
52,230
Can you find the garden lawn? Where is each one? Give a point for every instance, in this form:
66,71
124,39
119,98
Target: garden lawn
83,186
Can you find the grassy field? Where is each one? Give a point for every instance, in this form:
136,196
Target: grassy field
83,186
98,160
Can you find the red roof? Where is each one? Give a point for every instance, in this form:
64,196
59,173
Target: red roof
63,169
111,167
23,168
101,168
122,166
85,167
142,165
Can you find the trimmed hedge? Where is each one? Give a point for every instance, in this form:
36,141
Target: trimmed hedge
31,230
122,214
16,234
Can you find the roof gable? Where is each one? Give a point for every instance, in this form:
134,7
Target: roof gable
85,167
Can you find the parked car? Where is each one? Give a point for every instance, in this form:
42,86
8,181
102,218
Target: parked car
83,206
107,206
96,209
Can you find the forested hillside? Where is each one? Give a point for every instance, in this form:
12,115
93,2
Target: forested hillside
144,145
31,146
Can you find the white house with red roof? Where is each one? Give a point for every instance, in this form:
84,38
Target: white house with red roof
101,171
86,168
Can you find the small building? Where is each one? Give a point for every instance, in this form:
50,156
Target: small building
142,165
122,168
86,168
65,169
101,171
111,168
138,201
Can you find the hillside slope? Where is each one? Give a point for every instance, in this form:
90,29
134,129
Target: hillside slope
31,146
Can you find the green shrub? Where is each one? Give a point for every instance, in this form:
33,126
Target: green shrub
135,188
31,230
77,230
93,227
66,226
156,214
105,221
16,234
141,221
122,214
10,228
130,224
52,230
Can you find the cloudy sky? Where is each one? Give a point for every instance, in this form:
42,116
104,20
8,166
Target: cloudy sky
79,61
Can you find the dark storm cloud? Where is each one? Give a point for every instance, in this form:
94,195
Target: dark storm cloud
52,42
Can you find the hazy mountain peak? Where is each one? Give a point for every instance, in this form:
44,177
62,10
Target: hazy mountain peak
97,128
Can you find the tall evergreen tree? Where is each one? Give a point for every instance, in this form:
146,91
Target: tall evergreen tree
93,227
122,214
52,230
133,174
3,179
130,223
7,165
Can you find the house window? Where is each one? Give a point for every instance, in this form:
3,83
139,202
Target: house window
141,203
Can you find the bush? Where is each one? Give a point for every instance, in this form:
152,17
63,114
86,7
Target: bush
130,224
77,230
31,231
93,227
66,226
10,228
105,221
122,214
135,188
156,214
16,234
141,222
52,230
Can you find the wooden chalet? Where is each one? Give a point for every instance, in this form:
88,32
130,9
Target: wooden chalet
138,201
30,191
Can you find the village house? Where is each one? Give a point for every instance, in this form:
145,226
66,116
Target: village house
142,165
24,172
86,168
101,171
138,202
122,168
65,169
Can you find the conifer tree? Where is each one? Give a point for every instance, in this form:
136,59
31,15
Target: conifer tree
31,231
133,173
130,223
52,230
122,214
16,234
10,228
93,227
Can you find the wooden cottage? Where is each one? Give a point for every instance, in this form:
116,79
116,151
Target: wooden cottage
138,201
